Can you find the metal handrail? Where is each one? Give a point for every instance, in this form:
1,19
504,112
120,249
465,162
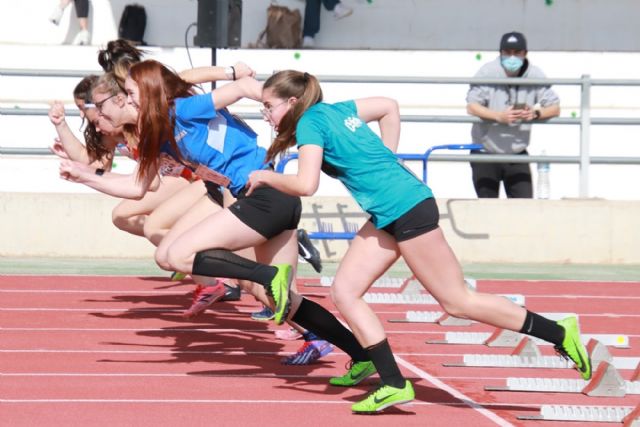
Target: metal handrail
584,120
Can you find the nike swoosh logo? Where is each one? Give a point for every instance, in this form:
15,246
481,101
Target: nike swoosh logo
583,364
376,400
357,377
306,254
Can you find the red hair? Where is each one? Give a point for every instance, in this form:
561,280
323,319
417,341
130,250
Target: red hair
158,88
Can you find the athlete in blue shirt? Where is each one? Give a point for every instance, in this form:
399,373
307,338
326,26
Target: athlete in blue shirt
196,131
335,138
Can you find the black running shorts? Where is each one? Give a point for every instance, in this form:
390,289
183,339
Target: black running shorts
420,219
268,211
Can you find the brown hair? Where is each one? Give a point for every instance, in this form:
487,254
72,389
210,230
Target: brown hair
284,85
119,56
92,138
158,88
108,84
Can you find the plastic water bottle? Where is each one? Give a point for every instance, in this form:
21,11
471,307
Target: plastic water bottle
543,179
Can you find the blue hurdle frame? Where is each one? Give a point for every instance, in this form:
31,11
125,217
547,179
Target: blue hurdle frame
424,157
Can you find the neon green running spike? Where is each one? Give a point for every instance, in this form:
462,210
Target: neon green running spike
384,397
572,347
279,291
357,372
177,276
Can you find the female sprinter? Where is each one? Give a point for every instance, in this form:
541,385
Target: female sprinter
334,138
197,131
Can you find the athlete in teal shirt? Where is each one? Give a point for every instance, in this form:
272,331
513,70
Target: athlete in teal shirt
352,153
335,139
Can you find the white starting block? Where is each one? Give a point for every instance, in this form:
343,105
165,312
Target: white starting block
627,415
506,338
606,381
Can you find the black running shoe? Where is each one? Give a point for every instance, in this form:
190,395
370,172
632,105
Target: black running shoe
232,293
308,252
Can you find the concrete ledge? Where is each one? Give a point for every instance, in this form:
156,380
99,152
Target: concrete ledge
480,231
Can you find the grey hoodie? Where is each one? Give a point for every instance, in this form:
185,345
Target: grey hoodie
500,138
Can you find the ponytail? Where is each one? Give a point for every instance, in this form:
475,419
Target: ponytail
286,84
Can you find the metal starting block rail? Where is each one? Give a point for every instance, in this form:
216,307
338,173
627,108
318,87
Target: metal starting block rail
606,381
528,355
627,415
444,319
383,282
402,298
506,338
545,362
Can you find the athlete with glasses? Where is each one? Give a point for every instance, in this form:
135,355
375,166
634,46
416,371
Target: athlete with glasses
197,131
336,139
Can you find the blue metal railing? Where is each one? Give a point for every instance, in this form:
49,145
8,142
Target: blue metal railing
326,230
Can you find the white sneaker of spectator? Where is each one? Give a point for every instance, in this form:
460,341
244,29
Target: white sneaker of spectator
82,38
56,15
308,42
341,11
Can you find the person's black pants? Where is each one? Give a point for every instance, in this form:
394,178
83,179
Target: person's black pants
515,176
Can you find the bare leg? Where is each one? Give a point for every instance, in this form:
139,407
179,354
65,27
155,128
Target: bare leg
435,265
129,215
371,253
163,217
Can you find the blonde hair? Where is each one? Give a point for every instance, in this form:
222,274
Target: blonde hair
286,84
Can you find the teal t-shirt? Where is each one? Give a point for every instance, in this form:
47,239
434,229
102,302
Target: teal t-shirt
355,155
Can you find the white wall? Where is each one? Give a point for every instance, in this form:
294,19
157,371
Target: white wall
534,231
594,25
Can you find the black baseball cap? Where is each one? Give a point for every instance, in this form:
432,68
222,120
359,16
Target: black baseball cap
513,40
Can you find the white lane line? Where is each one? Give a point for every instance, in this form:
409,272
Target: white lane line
187,330
210,375
247,401
82,291
455,393
182,294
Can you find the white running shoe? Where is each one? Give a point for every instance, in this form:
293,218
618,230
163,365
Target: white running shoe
308,42
341,11
56,15
82,38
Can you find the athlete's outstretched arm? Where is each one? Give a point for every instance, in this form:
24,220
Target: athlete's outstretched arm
246,87
71,145
387,113
113,184
211,74
304,183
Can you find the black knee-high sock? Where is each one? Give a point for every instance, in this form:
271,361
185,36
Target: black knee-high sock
315,318
223,263
382,358
541,327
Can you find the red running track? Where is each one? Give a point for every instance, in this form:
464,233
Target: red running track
114,351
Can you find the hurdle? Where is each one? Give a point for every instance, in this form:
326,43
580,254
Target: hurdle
327,232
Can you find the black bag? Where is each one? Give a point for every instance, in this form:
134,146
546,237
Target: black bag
133,23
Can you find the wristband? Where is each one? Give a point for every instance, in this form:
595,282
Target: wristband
99,171
536,115
233,70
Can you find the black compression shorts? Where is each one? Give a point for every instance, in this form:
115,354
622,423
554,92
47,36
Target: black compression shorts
268,211
420,219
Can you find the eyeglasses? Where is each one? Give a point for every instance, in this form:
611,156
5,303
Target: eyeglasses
267,111
100,104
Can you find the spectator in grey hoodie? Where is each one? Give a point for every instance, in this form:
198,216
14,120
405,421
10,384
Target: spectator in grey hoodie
507,111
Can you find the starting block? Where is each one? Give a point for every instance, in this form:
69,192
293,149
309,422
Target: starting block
506,338
527,355
616,414
605,382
